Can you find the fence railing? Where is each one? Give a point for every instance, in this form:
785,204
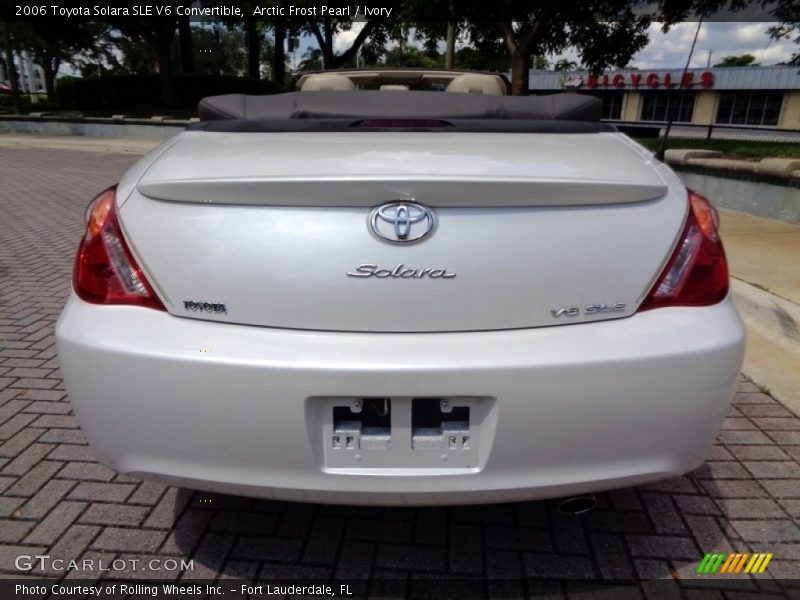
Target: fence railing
710,132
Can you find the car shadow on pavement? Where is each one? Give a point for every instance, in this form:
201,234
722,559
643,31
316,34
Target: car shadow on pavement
644,538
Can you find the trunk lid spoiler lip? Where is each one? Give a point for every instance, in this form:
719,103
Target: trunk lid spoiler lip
436,192
438,169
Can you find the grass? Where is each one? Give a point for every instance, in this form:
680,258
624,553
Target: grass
731,148
763,389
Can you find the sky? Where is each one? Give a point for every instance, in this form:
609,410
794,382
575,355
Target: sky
721,38
669,50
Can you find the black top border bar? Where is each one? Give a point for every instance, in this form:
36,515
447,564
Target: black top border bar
33,10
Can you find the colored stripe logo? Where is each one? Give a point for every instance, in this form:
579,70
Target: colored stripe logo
722,563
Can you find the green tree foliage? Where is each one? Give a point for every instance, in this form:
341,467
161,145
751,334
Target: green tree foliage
253,28
130,56
412,57
53,43
224,57
159,37
787,15
743,60
540,62
310,61
472,59
429,20
605,32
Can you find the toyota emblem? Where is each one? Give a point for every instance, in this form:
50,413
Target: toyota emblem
402,222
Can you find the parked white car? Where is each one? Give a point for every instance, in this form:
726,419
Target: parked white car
400,297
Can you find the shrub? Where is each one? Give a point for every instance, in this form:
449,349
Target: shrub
117,92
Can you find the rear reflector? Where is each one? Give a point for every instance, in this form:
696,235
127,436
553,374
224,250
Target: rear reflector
697,271
105,270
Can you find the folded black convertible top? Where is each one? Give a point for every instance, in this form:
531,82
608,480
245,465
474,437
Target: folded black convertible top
384,104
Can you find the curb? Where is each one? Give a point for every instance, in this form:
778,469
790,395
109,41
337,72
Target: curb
773,345
134,146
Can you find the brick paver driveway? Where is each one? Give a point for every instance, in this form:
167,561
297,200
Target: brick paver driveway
57,500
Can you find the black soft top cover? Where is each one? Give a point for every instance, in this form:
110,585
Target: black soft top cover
385,104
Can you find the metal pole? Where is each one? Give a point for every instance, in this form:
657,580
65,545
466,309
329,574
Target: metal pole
662,146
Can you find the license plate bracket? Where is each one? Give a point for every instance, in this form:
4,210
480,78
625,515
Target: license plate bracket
400,432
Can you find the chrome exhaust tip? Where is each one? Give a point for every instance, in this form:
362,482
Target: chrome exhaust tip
577,505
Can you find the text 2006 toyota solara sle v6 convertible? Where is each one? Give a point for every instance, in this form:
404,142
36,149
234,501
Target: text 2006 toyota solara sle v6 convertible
391,296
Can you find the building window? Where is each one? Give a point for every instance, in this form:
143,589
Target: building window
667,106
749,108
611,103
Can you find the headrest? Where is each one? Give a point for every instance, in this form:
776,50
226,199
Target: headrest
475,83
324,82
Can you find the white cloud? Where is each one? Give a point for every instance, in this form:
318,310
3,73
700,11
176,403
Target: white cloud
750,32
670,50
344,39
722,39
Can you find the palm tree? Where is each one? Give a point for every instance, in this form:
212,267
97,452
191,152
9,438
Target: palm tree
565,64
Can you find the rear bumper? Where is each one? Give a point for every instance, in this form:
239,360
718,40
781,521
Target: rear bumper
229,408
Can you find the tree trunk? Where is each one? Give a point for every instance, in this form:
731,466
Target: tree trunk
328,61
253,48
50,70
187,46
520,63
279,60
164,56
449,57
12,69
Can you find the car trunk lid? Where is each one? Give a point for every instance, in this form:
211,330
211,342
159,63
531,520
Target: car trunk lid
532,230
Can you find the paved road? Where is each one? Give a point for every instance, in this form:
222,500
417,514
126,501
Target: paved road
55,499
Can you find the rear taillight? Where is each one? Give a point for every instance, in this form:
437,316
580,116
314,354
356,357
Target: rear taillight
105,270
697,271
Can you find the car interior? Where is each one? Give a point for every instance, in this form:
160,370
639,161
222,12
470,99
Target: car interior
403,80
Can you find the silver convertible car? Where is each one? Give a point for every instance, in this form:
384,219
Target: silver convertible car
364,292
